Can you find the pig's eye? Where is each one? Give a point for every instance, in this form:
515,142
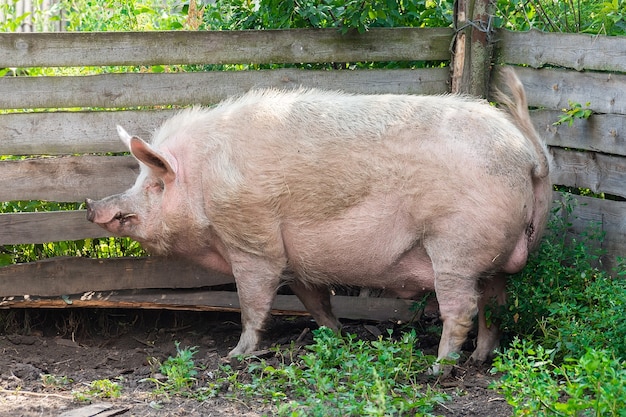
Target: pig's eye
157,185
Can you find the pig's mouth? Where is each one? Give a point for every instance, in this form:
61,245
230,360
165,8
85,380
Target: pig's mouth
122,218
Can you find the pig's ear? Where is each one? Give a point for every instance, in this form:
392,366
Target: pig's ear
156,161
124,136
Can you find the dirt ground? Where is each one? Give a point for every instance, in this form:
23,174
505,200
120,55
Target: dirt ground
87,345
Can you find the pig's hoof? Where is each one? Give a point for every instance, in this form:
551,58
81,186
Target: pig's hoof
480,357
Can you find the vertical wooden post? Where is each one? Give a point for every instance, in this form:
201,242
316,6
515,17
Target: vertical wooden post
472,50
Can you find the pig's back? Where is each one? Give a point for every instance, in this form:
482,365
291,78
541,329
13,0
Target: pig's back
304,158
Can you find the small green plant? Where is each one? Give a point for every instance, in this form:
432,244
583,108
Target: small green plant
101,388
534,385
54,381
575,111
341,376
179,373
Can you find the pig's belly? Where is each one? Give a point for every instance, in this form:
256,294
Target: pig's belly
410,274
370,246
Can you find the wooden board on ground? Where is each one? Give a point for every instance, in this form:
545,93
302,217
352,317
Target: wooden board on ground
347,307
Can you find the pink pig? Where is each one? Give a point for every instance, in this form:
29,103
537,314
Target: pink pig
313,188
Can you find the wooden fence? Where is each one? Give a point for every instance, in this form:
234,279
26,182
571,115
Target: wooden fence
71,121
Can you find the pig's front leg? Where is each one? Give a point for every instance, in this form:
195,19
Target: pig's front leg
257,282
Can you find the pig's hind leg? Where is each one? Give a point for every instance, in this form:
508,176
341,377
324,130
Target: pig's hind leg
316,299
493,296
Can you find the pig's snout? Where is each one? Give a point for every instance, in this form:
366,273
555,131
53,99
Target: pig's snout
105,216
91,213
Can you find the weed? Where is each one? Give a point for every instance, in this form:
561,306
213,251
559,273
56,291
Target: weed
534,385
54,381
562,300
179,373
575,111
339,376
101,388
571,316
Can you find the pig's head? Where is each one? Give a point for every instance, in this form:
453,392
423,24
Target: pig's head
142,211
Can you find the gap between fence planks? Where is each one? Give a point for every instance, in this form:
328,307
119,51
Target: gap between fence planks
346,307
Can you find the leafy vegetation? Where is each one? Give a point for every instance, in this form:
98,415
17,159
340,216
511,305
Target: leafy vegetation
575,111
604,17
338,376
177,375
570,315
100,388
537,385
571,304
345,15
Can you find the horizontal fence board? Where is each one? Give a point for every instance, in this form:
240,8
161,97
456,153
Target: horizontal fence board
577,51
66,179
223,47
69,275
610,215
599,172
576,169
180,89
55,133
52,133
75,178
345,307
604,133
553,89
43,227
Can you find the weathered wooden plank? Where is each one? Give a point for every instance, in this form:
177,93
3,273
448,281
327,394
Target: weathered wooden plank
354,308
68,178
599,172
73,275
181,89
74,178
538,49
611,218
604,133
42,227
553,89
223,47
54,133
